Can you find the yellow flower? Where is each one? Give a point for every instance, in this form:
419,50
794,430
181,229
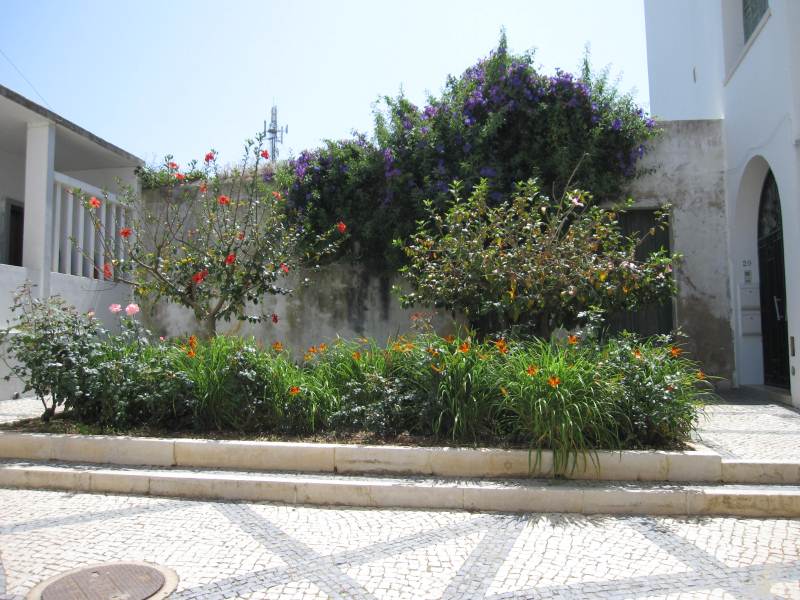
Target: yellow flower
700,375
553,381
356,355
503,391
637,354
322,347
675,352
436,368
277,346
602,275
464,347
449,339
532,370
308,356
432,351
294,390
572,340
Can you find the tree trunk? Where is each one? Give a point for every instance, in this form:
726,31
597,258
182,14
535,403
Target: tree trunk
208,328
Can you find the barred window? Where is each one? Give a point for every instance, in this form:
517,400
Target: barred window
752,11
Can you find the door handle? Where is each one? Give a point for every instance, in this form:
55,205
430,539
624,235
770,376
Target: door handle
777,308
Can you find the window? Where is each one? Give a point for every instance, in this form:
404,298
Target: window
752,11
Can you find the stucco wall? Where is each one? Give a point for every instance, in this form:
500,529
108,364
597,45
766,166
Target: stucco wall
342,299
688,173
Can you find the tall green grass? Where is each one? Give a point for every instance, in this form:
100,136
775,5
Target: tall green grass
571,397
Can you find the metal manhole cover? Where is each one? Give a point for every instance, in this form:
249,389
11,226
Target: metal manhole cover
110,581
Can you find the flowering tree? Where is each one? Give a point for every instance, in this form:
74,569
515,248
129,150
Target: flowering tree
215,246
530,262
501,120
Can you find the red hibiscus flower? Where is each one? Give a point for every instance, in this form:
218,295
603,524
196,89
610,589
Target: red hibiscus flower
209,156
125,232
180,176
274,318
172,166
203,188
284,267
223,200
94,202
341,227
230,259
200,276
264,154
240,235
107,272
277,195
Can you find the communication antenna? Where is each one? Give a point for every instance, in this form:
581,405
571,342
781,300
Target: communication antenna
274,134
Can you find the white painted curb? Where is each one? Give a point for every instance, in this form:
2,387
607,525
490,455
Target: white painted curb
697,465
375,492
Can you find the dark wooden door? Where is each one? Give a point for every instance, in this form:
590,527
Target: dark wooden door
772,283
16,221
653,319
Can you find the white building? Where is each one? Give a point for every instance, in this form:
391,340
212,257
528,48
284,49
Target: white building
43,159
731,68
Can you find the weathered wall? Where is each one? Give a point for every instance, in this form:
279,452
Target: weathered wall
688,163
342,299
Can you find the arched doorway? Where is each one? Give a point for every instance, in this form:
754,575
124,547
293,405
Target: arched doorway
772,284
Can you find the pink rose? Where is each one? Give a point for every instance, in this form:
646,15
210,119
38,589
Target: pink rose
115,308
131,309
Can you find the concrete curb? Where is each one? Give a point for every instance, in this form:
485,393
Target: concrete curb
377,492
699,465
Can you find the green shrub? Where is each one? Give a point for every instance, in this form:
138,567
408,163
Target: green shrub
570,397
500,119
532,263
659,390
53,349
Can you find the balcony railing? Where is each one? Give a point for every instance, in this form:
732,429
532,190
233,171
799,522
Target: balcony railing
71,221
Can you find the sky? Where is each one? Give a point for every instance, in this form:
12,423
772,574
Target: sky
181,77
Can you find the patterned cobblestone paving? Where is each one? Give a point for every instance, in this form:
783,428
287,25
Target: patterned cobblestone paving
24,408
266,551
752,430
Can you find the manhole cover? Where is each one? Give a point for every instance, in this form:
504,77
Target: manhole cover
111,581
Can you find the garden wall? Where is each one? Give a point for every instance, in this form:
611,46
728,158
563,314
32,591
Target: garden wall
342,298
687,164
687,172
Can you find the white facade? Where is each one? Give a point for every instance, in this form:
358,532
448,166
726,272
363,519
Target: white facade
43,160
704,66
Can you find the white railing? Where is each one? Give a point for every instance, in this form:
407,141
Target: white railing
85,257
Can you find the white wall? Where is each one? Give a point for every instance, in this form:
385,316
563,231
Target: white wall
761,128
342,300
684,59
106,179
687,164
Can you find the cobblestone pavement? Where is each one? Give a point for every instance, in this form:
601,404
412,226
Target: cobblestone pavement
264,551
758,431
24,408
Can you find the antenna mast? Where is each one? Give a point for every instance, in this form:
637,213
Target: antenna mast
275,134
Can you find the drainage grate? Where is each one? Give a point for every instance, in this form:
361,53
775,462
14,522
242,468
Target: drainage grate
112,581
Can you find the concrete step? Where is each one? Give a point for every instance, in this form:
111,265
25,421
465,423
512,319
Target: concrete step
508,495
